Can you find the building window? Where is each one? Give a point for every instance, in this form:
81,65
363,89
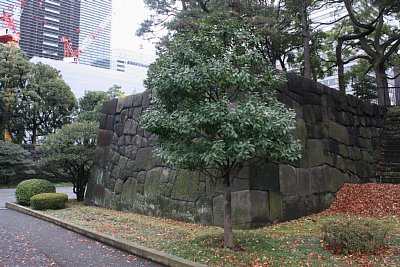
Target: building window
51,19
50,44
50,35
51,27
52,2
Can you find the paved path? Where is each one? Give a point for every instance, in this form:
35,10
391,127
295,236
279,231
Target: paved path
28,241
8,195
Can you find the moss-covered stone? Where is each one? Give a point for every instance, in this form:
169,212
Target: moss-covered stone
315,152
275,206
338,132
186,186
153,181
204,208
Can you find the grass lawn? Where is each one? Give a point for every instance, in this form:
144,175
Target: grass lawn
294,243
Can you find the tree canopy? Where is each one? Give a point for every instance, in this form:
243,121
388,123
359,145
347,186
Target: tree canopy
215,106
290,32
69,153
34,99
46,103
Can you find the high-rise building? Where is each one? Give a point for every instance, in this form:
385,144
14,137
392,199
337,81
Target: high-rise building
42,24
93,14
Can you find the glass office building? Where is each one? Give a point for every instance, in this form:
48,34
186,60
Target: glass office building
43,23
94,14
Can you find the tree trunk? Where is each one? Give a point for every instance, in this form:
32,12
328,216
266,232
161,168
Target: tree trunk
306,39
228,233
382,83
340,65
34,135
80,194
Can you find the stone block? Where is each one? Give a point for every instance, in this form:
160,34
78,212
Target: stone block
287,179
343,151
128,102
129,191
338,132
118,186
300,131
119,129
315,152
109,107
145,160
103,122
336,179
110,120
124,115
275,206
186,186
130,127
248,207
146,97
153,181
218,210
304,182
265,177
104,138
320,182
308,114
120,105
240,184
137,100
293,208
204,208
214,187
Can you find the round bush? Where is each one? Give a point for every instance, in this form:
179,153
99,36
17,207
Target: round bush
28,188
355,235
47,201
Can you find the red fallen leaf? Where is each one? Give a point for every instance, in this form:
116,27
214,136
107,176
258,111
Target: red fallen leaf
368,199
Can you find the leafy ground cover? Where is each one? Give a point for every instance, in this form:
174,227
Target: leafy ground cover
294,243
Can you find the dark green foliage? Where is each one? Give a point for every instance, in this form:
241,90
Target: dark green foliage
28,188
45,201
15,162
69,153
47,103
90,105
14,71
355,235
216,106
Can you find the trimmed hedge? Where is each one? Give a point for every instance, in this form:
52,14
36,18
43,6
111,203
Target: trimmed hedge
47,201
28,188
355,235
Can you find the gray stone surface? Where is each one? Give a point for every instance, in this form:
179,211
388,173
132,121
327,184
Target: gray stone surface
339,134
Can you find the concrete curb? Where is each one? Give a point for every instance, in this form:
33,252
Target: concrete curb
148,253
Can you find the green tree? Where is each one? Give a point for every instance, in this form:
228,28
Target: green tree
69,153
366,27
115,92
90,105
15,162
46,103
14,71
216,107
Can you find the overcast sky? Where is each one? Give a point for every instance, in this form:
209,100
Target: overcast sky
127,16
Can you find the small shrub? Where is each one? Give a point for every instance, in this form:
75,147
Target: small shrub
47,201
356,235
28,188
15,163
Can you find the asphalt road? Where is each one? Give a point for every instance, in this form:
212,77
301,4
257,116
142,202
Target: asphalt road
8,195
28,241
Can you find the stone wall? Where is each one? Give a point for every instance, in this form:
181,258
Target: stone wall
340,139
